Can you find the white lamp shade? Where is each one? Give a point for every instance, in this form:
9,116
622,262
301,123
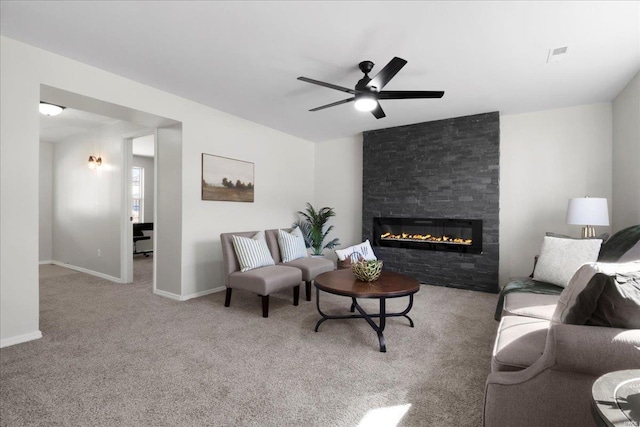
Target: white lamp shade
588,211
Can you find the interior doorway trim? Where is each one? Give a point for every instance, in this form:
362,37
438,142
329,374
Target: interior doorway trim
126,230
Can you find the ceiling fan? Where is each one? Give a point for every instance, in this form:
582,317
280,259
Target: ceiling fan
368,91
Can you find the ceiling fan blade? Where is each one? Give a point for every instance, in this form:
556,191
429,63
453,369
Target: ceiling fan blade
333,104
329,85
377,112
387,73
408,94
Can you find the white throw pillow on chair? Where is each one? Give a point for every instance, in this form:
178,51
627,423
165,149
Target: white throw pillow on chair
252,252
291,245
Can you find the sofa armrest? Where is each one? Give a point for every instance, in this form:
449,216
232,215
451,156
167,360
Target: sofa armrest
593,350
556,389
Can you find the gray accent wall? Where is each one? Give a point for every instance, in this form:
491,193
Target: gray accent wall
441,169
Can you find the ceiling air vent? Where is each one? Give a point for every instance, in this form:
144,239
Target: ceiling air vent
557,54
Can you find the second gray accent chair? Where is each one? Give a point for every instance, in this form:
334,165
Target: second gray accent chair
309,266
262,281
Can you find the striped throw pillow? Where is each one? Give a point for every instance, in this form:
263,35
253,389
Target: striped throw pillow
252,252
291,245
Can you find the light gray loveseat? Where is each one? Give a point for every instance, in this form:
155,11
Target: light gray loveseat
542,369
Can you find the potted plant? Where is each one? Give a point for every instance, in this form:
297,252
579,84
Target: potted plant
313,229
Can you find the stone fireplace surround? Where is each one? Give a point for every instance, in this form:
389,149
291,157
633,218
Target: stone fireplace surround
441,169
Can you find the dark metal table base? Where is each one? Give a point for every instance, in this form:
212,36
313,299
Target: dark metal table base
368,317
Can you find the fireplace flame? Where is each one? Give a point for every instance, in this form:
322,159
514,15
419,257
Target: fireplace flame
425,238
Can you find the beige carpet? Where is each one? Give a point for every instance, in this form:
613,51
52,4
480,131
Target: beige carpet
118,355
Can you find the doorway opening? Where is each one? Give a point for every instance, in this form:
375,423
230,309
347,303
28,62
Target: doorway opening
94,199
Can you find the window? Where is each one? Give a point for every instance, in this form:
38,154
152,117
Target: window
137,192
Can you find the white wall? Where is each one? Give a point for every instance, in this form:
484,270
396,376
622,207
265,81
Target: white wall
19,143
284,171
284,175
626,156
167,234
338,184
46,201
87,204
147,164
546,158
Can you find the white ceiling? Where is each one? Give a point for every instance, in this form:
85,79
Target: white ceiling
144,146
243,57
70,122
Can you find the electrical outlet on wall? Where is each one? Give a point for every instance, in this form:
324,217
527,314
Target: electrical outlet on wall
99,253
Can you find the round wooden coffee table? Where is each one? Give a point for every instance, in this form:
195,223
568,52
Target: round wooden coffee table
615,399
388,285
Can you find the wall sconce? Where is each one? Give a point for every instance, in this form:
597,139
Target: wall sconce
94,162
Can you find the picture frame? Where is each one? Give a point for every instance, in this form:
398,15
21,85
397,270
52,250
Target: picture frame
228,180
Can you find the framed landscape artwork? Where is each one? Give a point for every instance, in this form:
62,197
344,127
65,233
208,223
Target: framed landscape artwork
226,179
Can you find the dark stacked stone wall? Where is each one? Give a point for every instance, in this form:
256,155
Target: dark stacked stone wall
442,169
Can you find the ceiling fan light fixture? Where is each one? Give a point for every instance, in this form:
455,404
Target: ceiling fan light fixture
365,103
50,109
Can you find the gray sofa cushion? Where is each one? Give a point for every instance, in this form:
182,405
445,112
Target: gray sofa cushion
519,343
524,285
540,306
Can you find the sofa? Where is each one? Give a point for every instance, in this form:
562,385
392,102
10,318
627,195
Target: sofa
546,356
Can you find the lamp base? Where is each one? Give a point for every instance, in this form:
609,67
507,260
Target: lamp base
588,231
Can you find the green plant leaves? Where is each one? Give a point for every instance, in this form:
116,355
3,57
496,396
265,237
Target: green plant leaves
312,226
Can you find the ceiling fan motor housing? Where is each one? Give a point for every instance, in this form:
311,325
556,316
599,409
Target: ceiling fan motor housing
366,66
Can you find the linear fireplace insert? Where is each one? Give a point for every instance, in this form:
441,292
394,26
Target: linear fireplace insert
433,234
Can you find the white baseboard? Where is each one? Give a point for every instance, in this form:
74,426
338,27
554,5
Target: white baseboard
47,261
203,293
87,271
166,294
20,339
176,297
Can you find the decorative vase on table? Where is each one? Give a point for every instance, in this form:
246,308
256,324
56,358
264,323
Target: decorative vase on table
367,271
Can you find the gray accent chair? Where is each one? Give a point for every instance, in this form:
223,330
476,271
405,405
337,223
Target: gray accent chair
310,266
262,281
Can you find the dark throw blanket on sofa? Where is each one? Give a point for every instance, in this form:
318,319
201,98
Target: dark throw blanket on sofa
525,284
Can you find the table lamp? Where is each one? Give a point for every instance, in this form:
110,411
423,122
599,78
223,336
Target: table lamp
588,211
